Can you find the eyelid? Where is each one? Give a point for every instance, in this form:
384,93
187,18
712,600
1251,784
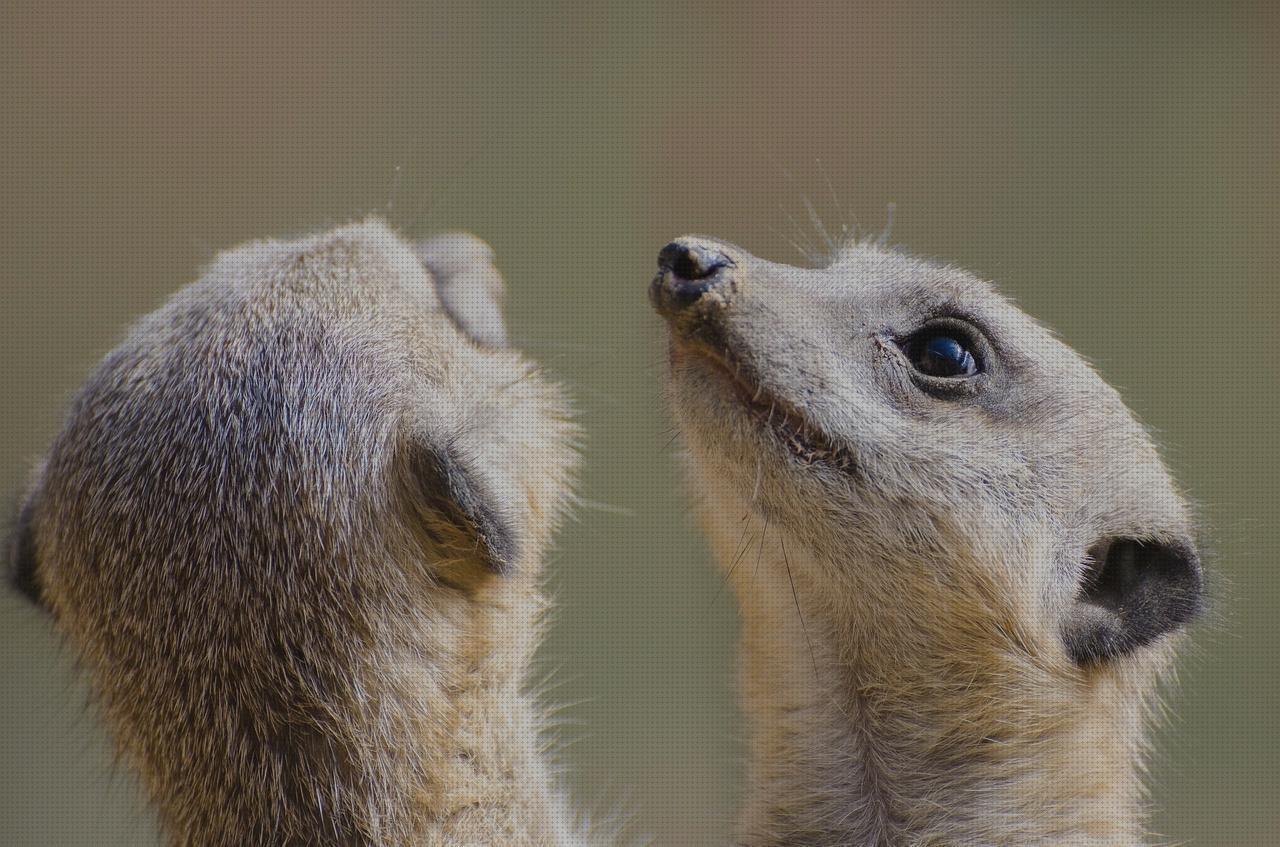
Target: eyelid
982,335
986,355
965,331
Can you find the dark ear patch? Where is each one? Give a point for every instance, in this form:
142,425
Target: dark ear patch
22,557
457,510
1133,592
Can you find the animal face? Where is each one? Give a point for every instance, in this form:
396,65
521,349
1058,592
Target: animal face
928,437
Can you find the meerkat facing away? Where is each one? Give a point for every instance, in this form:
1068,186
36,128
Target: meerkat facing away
961,564
293,529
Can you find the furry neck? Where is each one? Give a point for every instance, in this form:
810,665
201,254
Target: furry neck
877,726
475,733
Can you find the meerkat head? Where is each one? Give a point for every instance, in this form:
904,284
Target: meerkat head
317,407
928,441
328,378
270,508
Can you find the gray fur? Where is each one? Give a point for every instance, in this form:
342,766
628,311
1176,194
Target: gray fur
293,529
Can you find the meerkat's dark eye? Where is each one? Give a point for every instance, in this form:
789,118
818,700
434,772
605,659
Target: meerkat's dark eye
941,352
942,355
950,357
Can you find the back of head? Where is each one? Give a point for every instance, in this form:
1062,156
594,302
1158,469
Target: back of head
252,498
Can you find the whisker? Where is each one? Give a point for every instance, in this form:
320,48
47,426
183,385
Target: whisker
848,226
736,558
796,597
809,251
760,549
791,241
816,220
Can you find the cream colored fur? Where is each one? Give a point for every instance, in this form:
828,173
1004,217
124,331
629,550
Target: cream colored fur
294,530
906,564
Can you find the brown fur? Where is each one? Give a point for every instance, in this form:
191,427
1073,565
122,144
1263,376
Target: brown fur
907,565
293,528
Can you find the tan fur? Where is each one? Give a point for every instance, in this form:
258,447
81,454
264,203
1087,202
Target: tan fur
294,636
903,587
294,526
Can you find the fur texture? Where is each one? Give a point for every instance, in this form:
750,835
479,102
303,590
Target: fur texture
938,646
293,529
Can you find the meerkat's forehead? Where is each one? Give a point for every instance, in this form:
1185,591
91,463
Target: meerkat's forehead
875,272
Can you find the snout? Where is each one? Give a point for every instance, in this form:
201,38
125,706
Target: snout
694,276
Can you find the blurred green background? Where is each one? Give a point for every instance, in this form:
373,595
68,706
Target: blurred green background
1113,167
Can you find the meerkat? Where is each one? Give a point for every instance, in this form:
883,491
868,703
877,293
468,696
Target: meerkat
293,529
961,564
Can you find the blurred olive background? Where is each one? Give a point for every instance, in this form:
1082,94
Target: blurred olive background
1114,167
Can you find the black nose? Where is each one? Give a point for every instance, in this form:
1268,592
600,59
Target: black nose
687,271
691,262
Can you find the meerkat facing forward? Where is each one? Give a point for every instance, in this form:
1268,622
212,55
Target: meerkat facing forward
961,564
293,529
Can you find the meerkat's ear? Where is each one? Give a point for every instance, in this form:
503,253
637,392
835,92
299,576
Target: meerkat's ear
456,508
1134,591
22,555
468,284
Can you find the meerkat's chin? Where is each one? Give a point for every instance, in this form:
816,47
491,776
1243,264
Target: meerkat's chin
775,419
